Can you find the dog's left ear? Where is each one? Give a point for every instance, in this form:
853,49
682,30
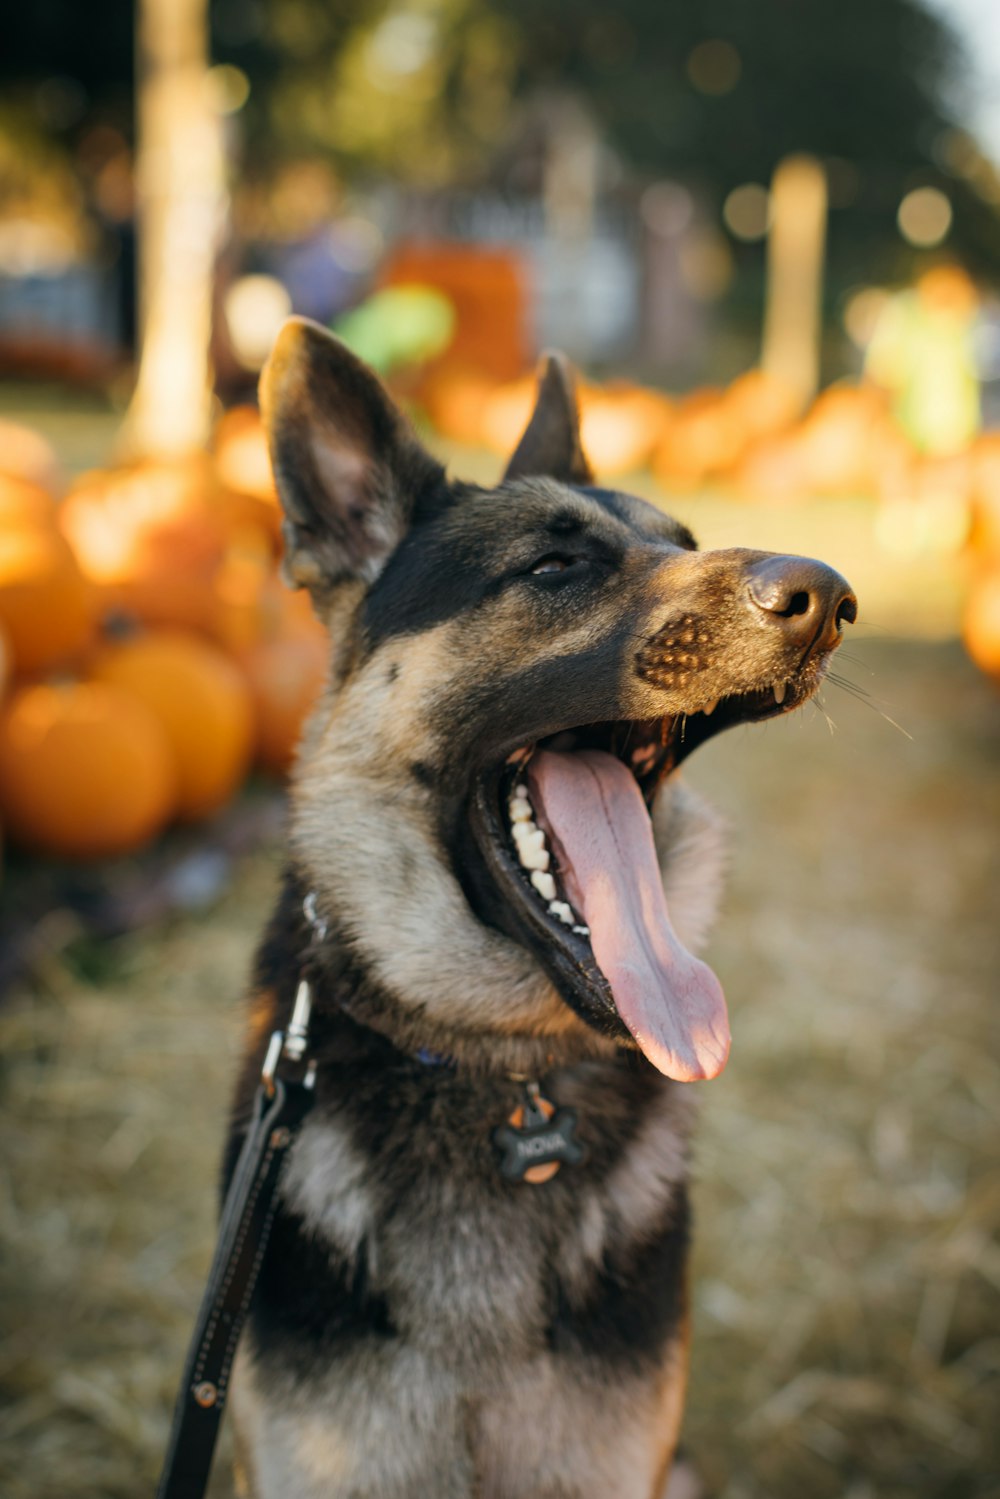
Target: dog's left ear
551,441
348,466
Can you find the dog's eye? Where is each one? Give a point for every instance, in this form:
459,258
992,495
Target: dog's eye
552,564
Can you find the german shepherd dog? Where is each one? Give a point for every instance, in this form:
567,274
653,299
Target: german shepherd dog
476,1284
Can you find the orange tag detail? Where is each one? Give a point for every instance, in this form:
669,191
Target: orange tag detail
545,1172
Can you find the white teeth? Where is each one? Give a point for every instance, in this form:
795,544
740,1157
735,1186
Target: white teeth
530,843
710,707
779,692
582,931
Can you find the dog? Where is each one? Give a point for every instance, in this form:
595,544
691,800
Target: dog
476,1281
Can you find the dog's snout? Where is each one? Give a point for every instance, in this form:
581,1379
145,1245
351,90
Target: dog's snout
805,599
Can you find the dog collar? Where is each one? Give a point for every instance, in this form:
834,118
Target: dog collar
535,1140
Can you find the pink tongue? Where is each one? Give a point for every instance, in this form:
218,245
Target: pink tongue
671,1002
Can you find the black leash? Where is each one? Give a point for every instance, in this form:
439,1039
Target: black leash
282,1102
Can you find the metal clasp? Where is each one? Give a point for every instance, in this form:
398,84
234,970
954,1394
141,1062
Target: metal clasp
277,1048
291,1043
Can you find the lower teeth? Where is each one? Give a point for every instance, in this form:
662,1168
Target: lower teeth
534,858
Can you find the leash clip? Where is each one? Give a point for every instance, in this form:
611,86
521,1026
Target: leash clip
291,1043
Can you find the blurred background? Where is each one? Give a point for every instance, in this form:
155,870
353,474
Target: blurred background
769,236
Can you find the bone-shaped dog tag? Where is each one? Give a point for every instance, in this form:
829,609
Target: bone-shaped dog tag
537,1139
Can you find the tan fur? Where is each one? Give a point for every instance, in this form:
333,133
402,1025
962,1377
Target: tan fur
524,1443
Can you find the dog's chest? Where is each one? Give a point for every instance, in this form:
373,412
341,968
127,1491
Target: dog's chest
410,1345
412,1211
459,1257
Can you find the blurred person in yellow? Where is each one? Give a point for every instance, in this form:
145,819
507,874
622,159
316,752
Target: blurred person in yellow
923,353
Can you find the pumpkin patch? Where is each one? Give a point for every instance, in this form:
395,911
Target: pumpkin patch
221,663
85,770
46,605
200,701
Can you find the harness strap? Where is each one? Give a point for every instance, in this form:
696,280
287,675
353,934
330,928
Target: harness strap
280,1109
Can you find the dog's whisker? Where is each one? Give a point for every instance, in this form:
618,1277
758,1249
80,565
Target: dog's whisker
836,680
865,698
843,655
820,708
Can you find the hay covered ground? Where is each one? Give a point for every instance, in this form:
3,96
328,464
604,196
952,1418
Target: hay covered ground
847,1276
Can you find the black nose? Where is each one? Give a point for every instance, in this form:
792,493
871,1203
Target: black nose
807,600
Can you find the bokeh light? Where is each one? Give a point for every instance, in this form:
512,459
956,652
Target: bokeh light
229,88
861,313
747,211
714,67
255,308
666,209
924,217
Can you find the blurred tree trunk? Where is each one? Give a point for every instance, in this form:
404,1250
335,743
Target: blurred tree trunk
180,207
793,313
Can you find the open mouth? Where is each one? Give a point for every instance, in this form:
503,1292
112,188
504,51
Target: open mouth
564,827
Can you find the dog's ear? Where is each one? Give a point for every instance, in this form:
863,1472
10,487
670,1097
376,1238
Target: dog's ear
347,464
551,441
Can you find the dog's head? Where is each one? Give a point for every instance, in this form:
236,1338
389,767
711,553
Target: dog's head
516,675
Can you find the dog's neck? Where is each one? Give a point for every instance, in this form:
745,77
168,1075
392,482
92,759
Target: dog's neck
348,988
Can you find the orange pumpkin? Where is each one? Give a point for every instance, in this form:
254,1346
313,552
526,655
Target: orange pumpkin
455,400
246,604
46,604
839,440
85,770
703,440
761,404
620,425
26,454
981,624
285,677
202,704
242,460
23,503
150,538
506,412
985,539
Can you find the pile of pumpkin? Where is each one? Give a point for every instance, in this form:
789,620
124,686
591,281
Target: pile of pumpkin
149,654
750,437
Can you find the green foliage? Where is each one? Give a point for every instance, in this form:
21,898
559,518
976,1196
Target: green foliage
427,90
399,325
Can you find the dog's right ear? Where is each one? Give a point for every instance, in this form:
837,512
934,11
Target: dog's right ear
551,441
348,466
